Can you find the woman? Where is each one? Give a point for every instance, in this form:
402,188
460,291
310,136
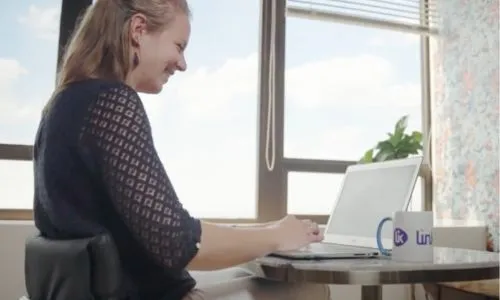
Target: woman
97,170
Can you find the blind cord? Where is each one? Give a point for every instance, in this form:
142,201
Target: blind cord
271,115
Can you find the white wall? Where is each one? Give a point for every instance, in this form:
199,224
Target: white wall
14,233
12,237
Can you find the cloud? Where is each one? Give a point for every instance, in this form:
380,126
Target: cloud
210,92
43,21
340,142
355,81
234,80
11,109
11,70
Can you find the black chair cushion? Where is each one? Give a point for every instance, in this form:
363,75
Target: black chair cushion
80,269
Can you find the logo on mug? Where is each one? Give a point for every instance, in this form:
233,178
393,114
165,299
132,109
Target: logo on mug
400,237
424,238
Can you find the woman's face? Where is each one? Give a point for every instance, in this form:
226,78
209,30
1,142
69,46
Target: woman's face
160,54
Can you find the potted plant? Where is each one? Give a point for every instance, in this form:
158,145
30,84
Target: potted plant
399,144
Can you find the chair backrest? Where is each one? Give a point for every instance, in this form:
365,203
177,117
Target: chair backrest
78,269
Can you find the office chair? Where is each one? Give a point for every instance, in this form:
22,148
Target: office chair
78,269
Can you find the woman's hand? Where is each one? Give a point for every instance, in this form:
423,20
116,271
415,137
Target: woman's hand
293,234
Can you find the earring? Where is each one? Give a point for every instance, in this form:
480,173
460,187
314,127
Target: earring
135,60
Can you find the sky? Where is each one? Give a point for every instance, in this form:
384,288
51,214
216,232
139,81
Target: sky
345,87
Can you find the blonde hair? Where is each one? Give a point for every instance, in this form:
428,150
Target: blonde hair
100,45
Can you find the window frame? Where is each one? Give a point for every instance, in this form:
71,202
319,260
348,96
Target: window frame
272,185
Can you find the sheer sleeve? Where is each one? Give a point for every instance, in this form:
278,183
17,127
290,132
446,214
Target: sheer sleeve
118,134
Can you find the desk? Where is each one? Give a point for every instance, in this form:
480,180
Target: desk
448,265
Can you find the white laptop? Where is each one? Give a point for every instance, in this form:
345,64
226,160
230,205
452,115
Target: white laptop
369,192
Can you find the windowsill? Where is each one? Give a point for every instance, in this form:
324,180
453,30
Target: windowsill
17,222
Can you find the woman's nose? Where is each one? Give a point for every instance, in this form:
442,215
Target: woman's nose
182,65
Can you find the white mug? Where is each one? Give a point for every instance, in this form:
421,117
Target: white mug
412,236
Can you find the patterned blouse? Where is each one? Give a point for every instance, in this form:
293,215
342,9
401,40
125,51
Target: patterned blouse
97,171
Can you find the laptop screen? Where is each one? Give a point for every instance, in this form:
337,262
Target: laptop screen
369,195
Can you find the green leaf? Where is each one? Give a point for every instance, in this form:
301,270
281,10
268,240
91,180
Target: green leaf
405,140
399,129
368,157
409,148
417,136
401,124
385,146
383,155
396,138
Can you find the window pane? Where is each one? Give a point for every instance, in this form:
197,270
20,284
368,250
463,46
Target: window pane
346,86
204,120
26,78
312,193
16,190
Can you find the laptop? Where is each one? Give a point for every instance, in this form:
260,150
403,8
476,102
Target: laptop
369,192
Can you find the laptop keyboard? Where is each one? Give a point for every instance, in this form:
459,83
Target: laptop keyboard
329,248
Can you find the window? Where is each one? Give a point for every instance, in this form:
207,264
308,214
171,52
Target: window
346,86
17,184
26,81
205,120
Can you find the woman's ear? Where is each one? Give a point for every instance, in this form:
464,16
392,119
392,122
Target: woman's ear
138,27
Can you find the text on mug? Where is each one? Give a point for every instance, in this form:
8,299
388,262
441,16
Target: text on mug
424,238
401,237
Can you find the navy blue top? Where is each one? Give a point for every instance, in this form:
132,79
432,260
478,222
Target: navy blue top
97,171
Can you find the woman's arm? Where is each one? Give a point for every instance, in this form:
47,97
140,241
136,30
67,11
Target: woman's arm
245,225
256,225
224,246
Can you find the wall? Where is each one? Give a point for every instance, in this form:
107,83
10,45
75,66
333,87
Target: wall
465,83
12,237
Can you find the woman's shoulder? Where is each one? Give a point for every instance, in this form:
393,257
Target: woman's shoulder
74,103
95,87
79,96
